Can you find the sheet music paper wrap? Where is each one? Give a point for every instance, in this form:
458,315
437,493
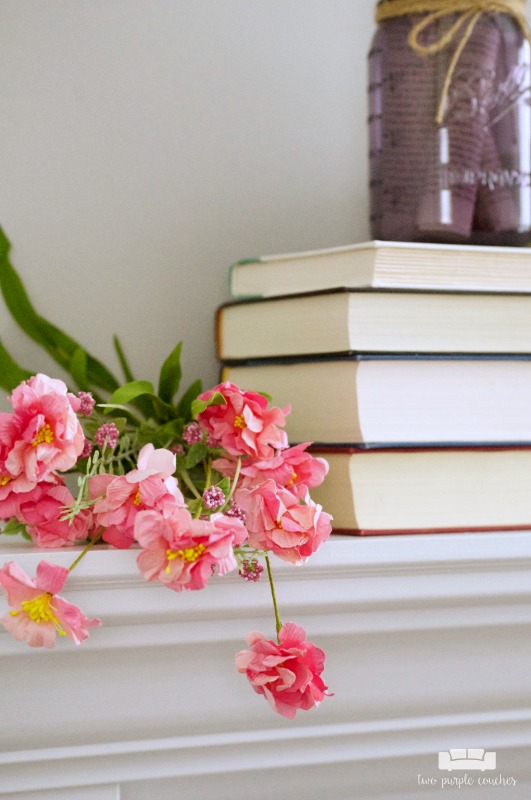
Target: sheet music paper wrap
465,178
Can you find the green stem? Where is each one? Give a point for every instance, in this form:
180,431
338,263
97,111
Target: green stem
133,451
235,480
81,500
208,472
188,481
85,550
278,622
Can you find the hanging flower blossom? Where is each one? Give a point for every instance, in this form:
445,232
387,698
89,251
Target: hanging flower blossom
182,552
288,674
150,486
244,425
278,521
38,613
43,434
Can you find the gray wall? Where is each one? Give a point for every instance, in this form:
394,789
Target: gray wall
147,144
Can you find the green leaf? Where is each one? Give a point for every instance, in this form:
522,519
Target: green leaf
166,435
195,455
120,422
198,406
128,375
13,527
163,412
184,407
224,485
112,407
140,394
170,375
129,392
10,372
143,405
56,342
78,369
195,506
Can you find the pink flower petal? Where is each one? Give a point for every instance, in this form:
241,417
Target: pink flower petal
50,577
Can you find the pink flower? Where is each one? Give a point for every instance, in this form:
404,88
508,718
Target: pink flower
42,509
43,434
153,463
150,486
293,468
278,521
235,511
8,497
86,403
13,491
9,484
287,673
214,497
192,433
9,507
182,552
38,613
107,435
244,425
87,449
251,570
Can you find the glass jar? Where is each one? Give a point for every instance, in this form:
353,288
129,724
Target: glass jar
450,128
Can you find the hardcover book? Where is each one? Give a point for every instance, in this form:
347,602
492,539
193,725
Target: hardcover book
426,490
366,320
379,264
399,400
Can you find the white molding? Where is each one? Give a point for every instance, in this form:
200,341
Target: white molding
71,792
240,752
427,640
350,586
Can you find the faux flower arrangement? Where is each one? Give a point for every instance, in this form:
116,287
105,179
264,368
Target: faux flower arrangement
207,484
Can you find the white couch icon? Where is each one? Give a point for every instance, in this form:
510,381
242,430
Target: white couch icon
472,758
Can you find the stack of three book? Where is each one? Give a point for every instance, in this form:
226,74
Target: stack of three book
408,366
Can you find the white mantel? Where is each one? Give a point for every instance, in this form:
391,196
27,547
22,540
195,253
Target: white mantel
428,647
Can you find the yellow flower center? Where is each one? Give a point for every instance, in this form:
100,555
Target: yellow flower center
239,421
137,499
40,610
5,479
293,479
44,436
190,555
278,523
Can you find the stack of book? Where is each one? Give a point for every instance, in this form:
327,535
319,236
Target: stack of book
409,367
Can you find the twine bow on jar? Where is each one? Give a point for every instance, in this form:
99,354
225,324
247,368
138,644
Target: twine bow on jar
468,14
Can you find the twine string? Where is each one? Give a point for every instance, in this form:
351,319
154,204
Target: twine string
469,12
